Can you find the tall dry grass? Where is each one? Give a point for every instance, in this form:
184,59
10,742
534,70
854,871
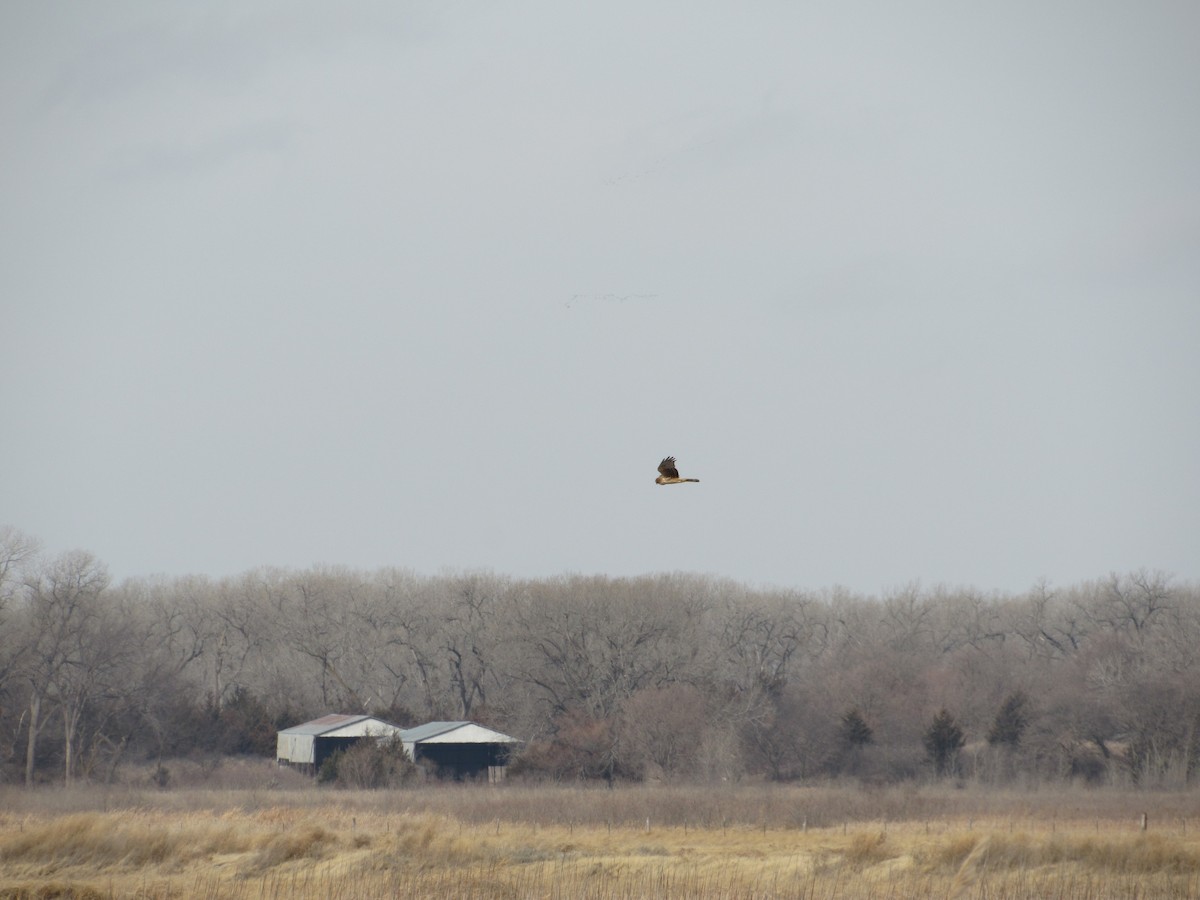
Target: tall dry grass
672,842
256,784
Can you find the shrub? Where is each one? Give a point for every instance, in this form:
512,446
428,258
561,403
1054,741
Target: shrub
368,764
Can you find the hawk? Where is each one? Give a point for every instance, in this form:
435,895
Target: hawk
668,474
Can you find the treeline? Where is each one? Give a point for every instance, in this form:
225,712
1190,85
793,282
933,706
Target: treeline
668,676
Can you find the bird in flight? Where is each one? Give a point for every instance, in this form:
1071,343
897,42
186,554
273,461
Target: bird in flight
668,474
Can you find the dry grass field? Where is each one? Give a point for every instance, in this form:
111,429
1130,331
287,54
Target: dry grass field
753,841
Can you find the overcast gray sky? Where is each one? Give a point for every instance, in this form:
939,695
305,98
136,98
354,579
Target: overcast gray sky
914,289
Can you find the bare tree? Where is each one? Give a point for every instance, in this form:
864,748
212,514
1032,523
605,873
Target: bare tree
1134,602
662,729
17,550
1050,625
96,648
590,643
61,605
380,621
469,606
234,626
908,620
313,613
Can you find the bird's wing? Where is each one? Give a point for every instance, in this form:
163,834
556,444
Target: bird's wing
667,468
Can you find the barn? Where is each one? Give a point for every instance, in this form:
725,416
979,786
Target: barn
308,745
459,749
455,750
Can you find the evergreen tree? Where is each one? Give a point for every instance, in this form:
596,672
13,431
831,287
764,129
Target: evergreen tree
244,725
1010,721
943,739
854,731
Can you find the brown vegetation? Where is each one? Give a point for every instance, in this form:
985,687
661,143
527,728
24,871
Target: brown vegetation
739,842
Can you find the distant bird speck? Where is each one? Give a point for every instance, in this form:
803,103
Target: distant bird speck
606,298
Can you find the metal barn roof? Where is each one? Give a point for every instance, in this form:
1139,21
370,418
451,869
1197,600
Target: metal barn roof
454,733
324,724
338,725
